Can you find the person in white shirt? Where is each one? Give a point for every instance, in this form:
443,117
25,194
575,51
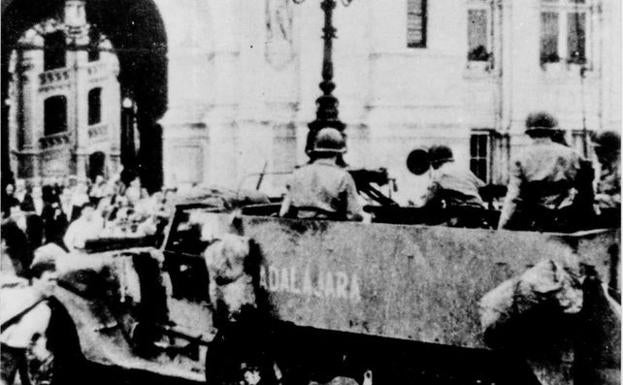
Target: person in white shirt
25,316
88,226
79,197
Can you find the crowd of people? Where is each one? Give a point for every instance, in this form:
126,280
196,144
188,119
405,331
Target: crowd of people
68,212
548,183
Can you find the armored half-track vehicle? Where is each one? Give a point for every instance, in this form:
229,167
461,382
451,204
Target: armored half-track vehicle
377,302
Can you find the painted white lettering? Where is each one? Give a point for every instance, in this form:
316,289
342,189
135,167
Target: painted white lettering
293,288
329,289
284,284
319,284
319,289
273,279
341,285
263,278
307,282
355,295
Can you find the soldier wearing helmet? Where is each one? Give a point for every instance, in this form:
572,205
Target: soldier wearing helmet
323,189
454,189
545,180
608,189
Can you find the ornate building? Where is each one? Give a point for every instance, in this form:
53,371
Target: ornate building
65,91
225,89
243,81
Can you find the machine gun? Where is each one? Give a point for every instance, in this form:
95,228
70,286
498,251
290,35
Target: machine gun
364,179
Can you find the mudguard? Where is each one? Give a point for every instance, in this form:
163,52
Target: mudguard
107,295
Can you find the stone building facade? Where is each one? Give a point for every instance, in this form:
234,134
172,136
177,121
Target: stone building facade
66,99
243,81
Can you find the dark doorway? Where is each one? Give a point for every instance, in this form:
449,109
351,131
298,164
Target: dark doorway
97,165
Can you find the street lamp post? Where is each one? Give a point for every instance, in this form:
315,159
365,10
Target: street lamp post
128,147
327,103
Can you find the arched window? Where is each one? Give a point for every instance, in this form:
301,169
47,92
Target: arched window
54,51
55,115
95,106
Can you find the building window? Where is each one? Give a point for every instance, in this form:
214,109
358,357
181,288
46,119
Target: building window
54,51
416,23
95,106
478,35
564,31
480,148
55,115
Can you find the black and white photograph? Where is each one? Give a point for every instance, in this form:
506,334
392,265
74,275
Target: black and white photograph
310,192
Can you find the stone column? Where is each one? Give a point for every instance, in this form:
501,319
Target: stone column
77,61
29,120
111,111
223,130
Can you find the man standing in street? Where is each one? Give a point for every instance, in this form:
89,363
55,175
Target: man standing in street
322,189
544,182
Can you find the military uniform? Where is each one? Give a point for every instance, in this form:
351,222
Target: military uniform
323,190
542,189
608,185
608,196
456,187
453,198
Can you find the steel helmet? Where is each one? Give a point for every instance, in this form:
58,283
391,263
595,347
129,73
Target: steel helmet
608,141
440,154
541,122
329,140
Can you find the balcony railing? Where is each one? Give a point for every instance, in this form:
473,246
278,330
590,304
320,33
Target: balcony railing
53,77
96,72
55,140
98,131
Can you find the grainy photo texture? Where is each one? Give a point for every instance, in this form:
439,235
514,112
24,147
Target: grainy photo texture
298,192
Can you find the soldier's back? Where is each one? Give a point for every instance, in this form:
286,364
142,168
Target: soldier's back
323,190
318,185
549,162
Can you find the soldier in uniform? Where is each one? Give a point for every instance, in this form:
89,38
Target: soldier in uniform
455,190
608,189
545,181
322,189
